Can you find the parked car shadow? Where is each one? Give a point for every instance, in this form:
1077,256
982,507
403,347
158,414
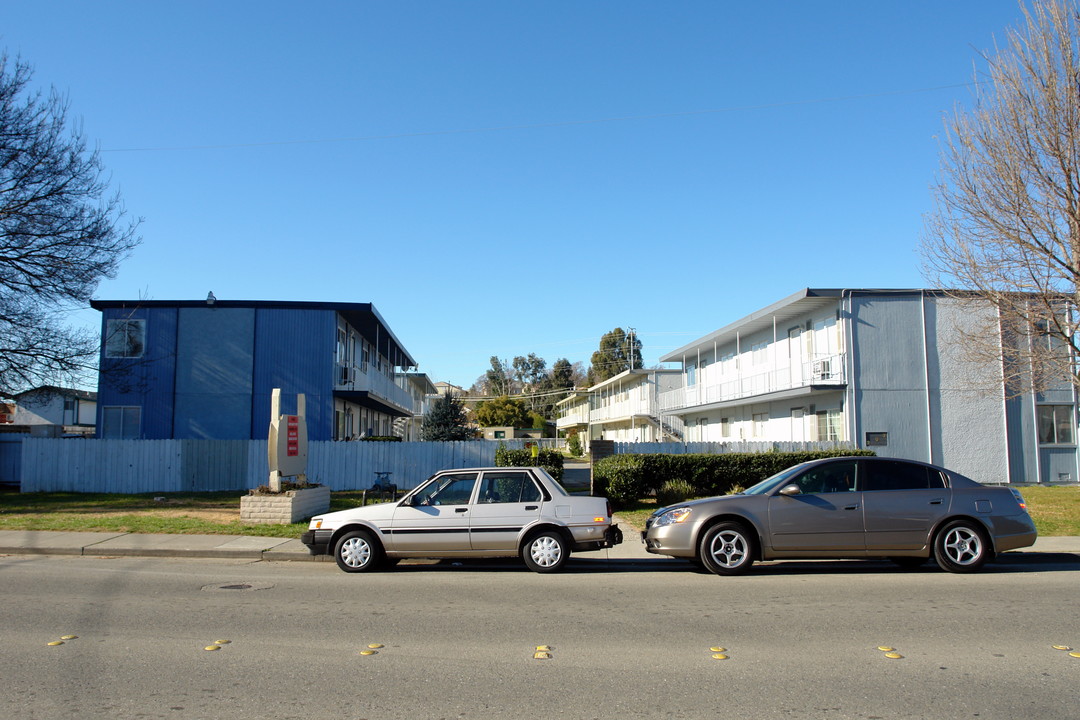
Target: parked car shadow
1012,562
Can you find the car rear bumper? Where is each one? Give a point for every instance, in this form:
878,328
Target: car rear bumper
612,537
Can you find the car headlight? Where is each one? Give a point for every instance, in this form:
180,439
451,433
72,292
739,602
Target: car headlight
315,524
672,516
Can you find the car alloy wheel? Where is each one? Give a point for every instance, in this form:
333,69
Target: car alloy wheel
961,546
727,549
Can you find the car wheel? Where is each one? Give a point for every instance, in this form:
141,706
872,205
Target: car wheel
908,562
727,549
961,546
357,551
545,552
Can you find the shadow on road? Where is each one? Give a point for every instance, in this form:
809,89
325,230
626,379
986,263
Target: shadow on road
1013,562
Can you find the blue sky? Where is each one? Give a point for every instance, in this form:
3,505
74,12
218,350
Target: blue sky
506,177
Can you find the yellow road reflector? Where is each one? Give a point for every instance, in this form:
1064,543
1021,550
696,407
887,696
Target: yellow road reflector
894,656
541,655
369,652
57,642
1062,647
886,648
544,648
717,649
719,656
1074,654
375,646
222,642
75,637
212,647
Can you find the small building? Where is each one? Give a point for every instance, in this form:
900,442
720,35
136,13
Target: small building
880,369
206,369
51,410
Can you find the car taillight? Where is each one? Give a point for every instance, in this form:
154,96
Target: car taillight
609,508
1019,498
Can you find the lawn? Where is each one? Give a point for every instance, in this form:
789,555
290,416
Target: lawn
1056,511
212,513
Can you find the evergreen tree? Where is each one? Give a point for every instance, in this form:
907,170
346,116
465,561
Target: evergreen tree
446,420
619,351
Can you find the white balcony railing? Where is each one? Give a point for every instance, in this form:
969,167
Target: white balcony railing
375,383
826,370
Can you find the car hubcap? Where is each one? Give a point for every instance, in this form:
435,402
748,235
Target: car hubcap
729,549
963,546
355,552
546,551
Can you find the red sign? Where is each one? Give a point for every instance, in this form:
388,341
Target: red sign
292,429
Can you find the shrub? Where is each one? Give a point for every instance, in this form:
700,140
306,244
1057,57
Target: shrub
549,460
625,478
674,491
573,444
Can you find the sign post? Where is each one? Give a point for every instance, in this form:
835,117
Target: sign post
287,446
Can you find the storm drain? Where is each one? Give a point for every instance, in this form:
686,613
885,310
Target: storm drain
237,586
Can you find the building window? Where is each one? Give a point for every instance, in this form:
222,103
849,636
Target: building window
829,426
759,353
121,423
760,420
125,338
725,427
1056,425
691,375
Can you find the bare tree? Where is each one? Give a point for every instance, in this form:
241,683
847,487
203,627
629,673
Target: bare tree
1007,223
59,235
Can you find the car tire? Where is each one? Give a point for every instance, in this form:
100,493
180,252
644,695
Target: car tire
727,548
962,546
908,562
357,551
545,551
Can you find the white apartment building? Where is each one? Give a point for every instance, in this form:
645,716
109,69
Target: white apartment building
879,369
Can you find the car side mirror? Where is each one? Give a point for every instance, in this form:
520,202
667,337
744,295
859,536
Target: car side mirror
790,490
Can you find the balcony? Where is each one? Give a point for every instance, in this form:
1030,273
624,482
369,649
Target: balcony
823,371
374,386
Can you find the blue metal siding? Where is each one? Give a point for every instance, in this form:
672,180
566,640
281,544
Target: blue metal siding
146,382
214,373
294,351
889,371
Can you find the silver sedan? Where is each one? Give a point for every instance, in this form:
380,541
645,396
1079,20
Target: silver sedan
847,508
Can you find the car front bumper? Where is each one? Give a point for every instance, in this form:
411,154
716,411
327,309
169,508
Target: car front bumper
317,541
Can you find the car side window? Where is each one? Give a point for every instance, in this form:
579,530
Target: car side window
448,490
900,475
829,478
508,487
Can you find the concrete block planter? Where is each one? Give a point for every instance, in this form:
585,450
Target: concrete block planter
282,508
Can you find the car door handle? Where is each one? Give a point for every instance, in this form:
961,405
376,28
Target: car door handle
531,507
461,509
936,501
851,507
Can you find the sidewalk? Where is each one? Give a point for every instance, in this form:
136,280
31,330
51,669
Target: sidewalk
91,544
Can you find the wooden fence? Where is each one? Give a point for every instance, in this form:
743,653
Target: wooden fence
716,448
141,466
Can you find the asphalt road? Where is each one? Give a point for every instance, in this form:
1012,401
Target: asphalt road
627,640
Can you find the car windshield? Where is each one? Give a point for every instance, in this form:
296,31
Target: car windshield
771,483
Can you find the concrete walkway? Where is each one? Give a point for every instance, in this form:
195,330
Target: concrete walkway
93,544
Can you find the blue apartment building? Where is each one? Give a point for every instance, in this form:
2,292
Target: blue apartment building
206,369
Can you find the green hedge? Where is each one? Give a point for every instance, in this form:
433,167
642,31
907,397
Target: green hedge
549,460
626,478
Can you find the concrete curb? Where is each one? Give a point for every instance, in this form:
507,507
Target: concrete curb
91,544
